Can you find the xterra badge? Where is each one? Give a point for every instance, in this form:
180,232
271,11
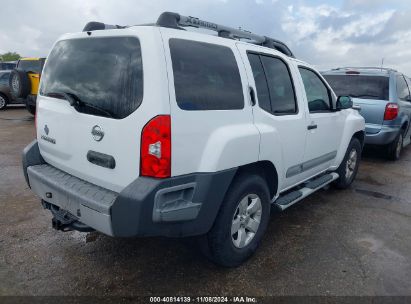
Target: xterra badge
46,138
97,133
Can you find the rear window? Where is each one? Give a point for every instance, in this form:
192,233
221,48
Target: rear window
206,76
105,74
30,66
357,86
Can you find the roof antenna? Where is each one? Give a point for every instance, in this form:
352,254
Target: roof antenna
382,63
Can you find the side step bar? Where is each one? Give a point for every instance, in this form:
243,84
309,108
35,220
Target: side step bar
287,200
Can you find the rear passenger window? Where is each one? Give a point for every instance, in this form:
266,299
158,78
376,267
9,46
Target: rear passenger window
402,88
274,84
318,95
206,76
280,86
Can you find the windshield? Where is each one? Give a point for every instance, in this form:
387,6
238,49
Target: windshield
358,86
30,66
104,73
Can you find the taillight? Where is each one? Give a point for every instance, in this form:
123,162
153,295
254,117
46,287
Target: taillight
391,111
156,148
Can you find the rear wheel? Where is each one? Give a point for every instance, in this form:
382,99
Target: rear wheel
3,102
349,166
395,148
241,222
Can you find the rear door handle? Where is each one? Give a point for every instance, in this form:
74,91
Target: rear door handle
312,127
252,96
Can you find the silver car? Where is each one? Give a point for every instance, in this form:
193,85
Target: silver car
384,99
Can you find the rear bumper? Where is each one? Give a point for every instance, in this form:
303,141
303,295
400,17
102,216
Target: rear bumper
176,207
385,136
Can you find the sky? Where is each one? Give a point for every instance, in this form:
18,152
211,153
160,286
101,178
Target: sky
327,34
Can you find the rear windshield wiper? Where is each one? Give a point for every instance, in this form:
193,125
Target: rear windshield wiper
75,101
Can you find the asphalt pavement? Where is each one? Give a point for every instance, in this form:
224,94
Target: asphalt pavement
351,242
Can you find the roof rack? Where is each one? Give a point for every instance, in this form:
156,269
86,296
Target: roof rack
367,68
177,21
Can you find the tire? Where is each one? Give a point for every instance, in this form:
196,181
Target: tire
31,109
349,166
19,83
3,102
230,250
395,148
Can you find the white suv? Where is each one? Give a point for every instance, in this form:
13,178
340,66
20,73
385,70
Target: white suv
157,131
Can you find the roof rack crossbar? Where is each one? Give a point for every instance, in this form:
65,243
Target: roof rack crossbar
176,21
95,26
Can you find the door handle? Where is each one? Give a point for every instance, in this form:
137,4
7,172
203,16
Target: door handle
312,127
252,96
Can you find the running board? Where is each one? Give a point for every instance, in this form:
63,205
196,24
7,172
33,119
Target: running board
289,199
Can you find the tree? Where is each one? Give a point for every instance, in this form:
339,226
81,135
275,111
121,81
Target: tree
9,56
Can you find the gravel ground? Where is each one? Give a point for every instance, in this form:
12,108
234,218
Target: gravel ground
352,242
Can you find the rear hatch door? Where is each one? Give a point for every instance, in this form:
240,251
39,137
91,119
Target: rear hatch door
91,109
369,91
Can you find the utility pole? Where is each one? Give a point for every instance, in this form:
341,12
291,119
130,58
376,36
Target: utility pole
382,63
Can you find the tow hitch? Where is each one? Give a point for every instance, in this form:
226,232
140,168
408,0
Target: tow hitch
65,221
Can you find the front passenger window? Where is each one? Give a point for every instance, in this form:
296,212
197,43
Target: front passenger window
318,95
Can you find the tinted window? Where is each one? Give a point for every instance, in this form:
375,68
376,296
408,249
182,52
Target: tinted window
4,78
318,95
358,86
105,72
260,82
30,66
206,76
402,88
280,86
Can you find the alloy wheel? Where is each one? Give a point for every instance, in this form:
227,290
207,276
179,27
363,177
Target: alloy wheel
2,102
246,220
351,164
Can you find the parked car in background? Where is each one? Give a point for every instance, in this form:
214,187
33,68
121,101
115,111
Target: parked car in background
25,80
7,65
5,95
385,101
191,135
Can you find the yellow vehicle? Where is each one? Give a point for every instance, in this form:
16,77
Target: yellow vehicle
25,80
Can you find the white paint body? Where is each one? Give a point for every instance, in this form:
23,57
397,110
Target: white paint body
202,141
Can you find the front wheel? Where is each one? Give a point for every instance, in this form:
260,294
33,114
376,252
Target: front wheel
349,167
3,102
241,222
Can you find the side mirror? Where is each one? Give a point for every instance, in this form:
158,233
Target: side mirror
344,102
